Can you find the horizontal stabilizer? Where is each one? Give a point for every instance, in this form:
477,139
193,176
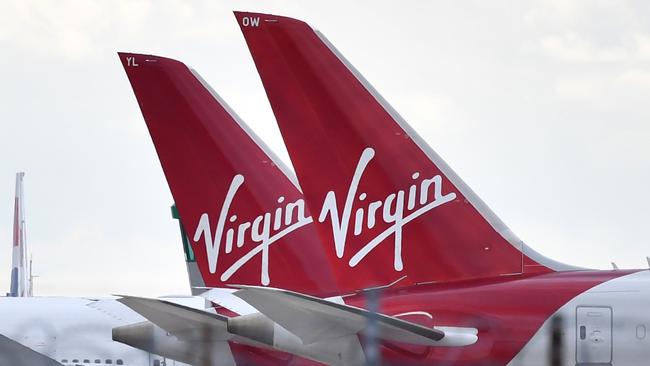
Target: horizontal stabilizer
207,335
181,321
313,319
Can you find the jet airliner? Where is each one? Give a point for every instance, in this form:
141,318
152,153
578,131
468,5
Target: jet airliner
293,263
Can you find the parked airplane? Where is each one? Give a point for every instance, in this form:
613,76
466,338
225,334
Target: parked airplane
253,227
37,331
74,331
388,206
460,287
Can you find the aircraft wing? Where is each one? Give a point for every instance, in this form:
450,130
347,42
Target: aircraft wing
15,354
314,319
186,323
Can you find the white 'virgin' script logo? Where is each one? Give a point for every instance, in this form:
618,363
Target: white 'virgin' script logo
397,209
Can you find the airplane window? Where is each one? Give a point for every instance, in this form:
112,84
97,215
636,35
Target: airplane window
75,361
64,360
109,362
86,361
119,362
98,361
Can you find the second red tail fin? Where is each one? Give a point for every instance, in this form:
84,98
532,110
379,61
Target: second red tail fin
386,204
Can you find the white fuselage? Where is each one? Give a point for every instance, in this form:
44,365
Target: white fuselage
73,330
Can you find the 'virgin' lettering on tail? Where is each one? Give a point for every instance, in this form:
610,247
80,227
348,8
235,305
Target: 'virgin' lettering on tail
392,211
268,227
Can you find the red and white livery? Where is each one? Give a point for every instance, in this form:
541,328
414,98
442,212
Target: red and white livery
382,217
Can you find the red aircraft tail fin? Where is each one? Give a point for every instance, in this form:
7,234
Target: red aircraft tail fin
387,203
245,218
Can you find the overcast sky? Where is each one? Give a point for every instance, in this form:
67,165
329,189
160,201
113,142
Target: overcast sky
541,106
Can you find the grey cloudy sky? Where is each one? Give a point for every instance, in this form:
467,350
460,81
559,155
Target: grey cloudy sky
541,106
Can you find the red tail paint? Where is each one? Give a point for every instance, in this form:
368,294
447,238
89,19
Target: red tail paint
384,202
246,219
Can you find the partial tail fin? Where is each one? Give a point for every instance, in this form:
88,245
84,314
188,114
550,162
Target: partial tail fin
197,283
245,217
386,201
20,281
